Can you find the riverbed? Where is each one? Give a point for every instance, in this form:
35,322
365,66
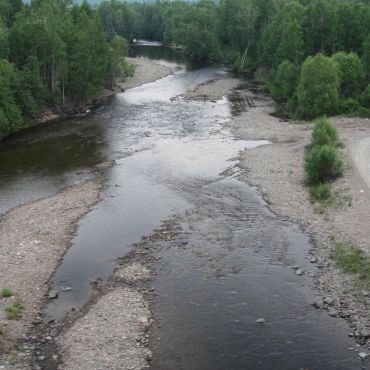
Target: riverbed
233,283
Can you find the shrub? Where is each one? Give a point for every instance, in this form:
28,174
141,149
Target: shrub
324,133
349,106
14,311
320,192
318,88
5,292
322,164
350,73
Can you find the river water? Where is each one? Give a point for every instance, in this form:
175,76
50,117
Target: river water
236,264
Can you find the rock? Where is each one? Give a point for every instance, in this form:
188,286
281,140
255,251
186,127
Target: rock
261,321
296,267
363,355
142,320
53,294
313,260
66,289
317,304
333,313
328,300
41,358
365,334
299,272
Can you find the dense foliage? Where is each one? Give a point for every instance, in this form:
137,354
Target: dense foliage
52,53
280,37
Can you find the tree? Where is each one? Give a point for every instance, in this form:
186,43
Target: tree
350,73
318,89
286,80
4,41
366,57
10,114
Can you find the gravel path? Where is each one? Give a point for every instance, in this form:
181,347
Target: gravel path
361,155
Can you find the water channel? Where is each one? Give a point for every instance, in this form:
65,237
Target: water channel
236,264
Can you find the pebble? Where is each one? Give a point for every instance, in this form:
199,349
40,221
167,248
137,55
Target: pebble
261,321
328,300
363,355
317,304
299,272
53,294
66,289
364,334
142,320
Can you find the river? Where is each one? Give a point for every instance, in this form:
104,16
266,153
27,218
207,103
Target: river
235,265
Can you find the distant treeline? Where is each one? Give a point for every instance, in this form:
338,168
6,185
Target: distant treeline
52,53
315,54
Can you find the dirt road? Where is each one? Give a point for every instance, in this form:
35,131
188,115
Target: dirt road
361,158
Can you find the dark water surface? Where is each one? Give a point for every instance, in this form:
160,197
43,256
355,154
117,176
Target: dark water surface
237,265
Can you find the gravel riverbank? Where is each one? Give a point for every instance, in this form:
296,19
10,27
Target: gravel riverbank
276,170
33,239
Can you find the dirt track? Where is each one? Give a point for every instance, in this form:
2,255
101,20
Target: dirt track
361,156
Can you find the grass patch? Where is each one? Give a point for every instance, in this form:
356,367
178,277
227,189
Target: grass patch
5,293
14,311
353,260
321,192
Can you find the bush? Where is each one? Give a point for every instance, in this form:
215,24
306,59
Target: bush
324,133
5,293
320,192
350,73
322,164
349,106
14,311
318,88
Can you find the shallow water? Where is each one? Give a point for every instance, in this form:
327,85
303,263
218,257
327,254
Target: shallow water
236,267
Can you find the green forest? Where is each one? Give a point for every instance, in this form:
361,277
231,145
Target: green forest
313,55
52,54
